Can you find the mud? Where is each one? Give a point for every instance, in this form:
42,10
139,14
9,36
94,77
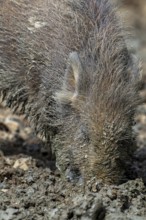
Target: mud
31,187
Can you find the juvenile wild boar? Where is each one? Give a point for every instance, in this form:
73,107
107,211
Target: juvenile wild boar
66,66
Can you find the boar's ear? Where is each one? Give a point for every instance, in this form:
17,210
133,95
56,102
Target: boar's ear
72,84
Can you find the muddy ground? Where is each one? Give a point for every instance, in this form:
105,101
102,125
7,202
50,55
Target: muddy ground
32,189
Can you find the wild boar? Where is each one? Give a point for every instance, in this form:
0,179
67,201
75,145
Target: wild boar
65,64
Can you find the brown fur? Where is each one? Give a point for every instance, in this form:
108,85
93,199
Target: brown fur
65,64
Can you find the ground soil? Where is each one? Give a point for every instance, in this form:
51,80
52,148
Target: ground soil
31,187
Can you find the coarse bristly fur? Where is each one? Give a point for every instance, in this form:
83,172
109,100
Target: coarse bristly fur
66,66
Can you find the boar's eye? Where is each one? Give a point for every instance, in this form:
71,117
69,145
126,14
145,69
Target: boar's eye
124,142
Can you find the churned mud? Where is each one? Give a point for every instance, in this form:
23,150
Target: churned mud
31,187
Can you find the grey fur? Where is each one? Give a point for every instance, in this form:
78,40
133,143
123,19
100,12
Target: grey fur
66,66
